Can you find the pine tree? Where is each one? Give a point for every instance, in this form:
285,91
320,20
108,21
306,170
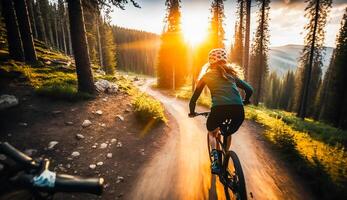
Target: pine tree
311,59
136,50
25,30
68,36
14,41
273,84
259,58
90,15
46,17
54,18
216,31
30,4
286,94
236,54
334,102
172,56
215,38
108,49
79,42
98,36
62,25
247,34
41,29
80,47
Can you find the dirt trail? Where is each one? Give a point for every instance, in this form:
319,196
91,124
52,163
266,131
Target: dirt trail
181,170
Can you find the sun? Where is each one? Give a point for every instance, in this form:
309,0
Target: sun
194,31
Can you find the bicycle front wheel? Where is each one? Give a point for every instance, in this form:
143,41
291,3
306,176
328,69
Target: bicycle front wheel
234,177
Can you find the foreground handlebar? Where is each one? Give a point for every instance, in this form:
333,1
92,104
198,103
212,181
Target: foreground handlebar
63,183
18,156
47,180
67,183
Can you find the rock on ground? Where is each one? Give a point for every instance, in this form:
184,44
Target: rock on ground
75,154
120,117
52,144
92,166
106,86
99,112
79,136
103,145
109,155
86,123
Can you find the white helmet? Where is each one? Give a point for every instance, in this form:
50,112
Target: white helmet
217,55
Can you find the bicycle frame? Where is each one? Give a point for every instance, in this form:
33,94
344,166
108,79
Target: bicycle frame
233,180
222,144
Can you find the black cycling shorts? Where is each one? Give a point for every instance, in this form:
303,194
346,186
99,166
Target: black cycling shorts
231,115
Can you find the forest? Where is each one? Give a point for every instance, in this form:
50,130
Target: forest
303,112
304,91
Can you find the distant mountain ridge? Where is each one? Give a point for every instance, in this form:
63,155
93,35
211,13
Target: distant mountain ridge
285,58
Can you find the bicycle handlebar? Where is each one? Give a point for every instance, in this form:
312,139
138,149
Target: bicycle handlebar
62,183
18,156
67,183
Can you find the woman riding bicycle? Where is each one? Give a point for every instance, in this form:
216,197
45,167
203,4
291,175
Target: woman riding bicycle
222,79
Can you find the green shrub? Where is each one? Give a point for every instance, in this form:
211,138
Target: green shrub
317,130
323,164
285,141
147,108
62,92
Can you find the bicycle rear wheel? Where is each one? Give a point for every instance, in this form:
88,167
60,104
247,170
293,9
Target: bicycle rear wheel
234,178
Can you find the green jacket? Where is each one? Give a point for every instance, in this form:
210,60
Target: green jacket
223,92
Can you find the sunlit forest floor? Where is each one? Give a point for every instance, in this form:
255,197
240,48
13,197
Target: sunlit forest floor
126,127
315,150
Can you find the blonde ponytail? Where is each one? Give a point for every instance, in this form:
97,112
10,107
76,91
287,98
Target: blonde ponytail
227,69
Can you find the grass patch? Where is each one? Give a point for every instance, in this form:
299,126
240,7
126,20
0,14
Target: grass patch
62,92
48,81
147,108
324,165
317,130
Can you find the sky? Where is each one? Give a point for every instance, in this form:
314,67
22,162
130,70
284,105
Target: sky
286,19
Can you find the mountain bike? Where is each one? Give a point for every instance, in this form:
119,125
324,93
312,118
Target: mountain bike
231,175
22,177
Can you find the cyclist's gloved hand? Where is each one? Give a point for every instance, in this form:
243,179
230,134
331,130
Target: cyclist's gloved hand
192,115
246,102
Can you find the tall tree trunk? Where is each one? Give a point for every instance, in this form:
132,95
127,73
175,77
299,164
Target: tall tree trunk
68,34
62,25
241,31
25,30
308,72
261,59
15,47
99,42
247,34
50,31
80,47
46,15
32,18
41,29
56,29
